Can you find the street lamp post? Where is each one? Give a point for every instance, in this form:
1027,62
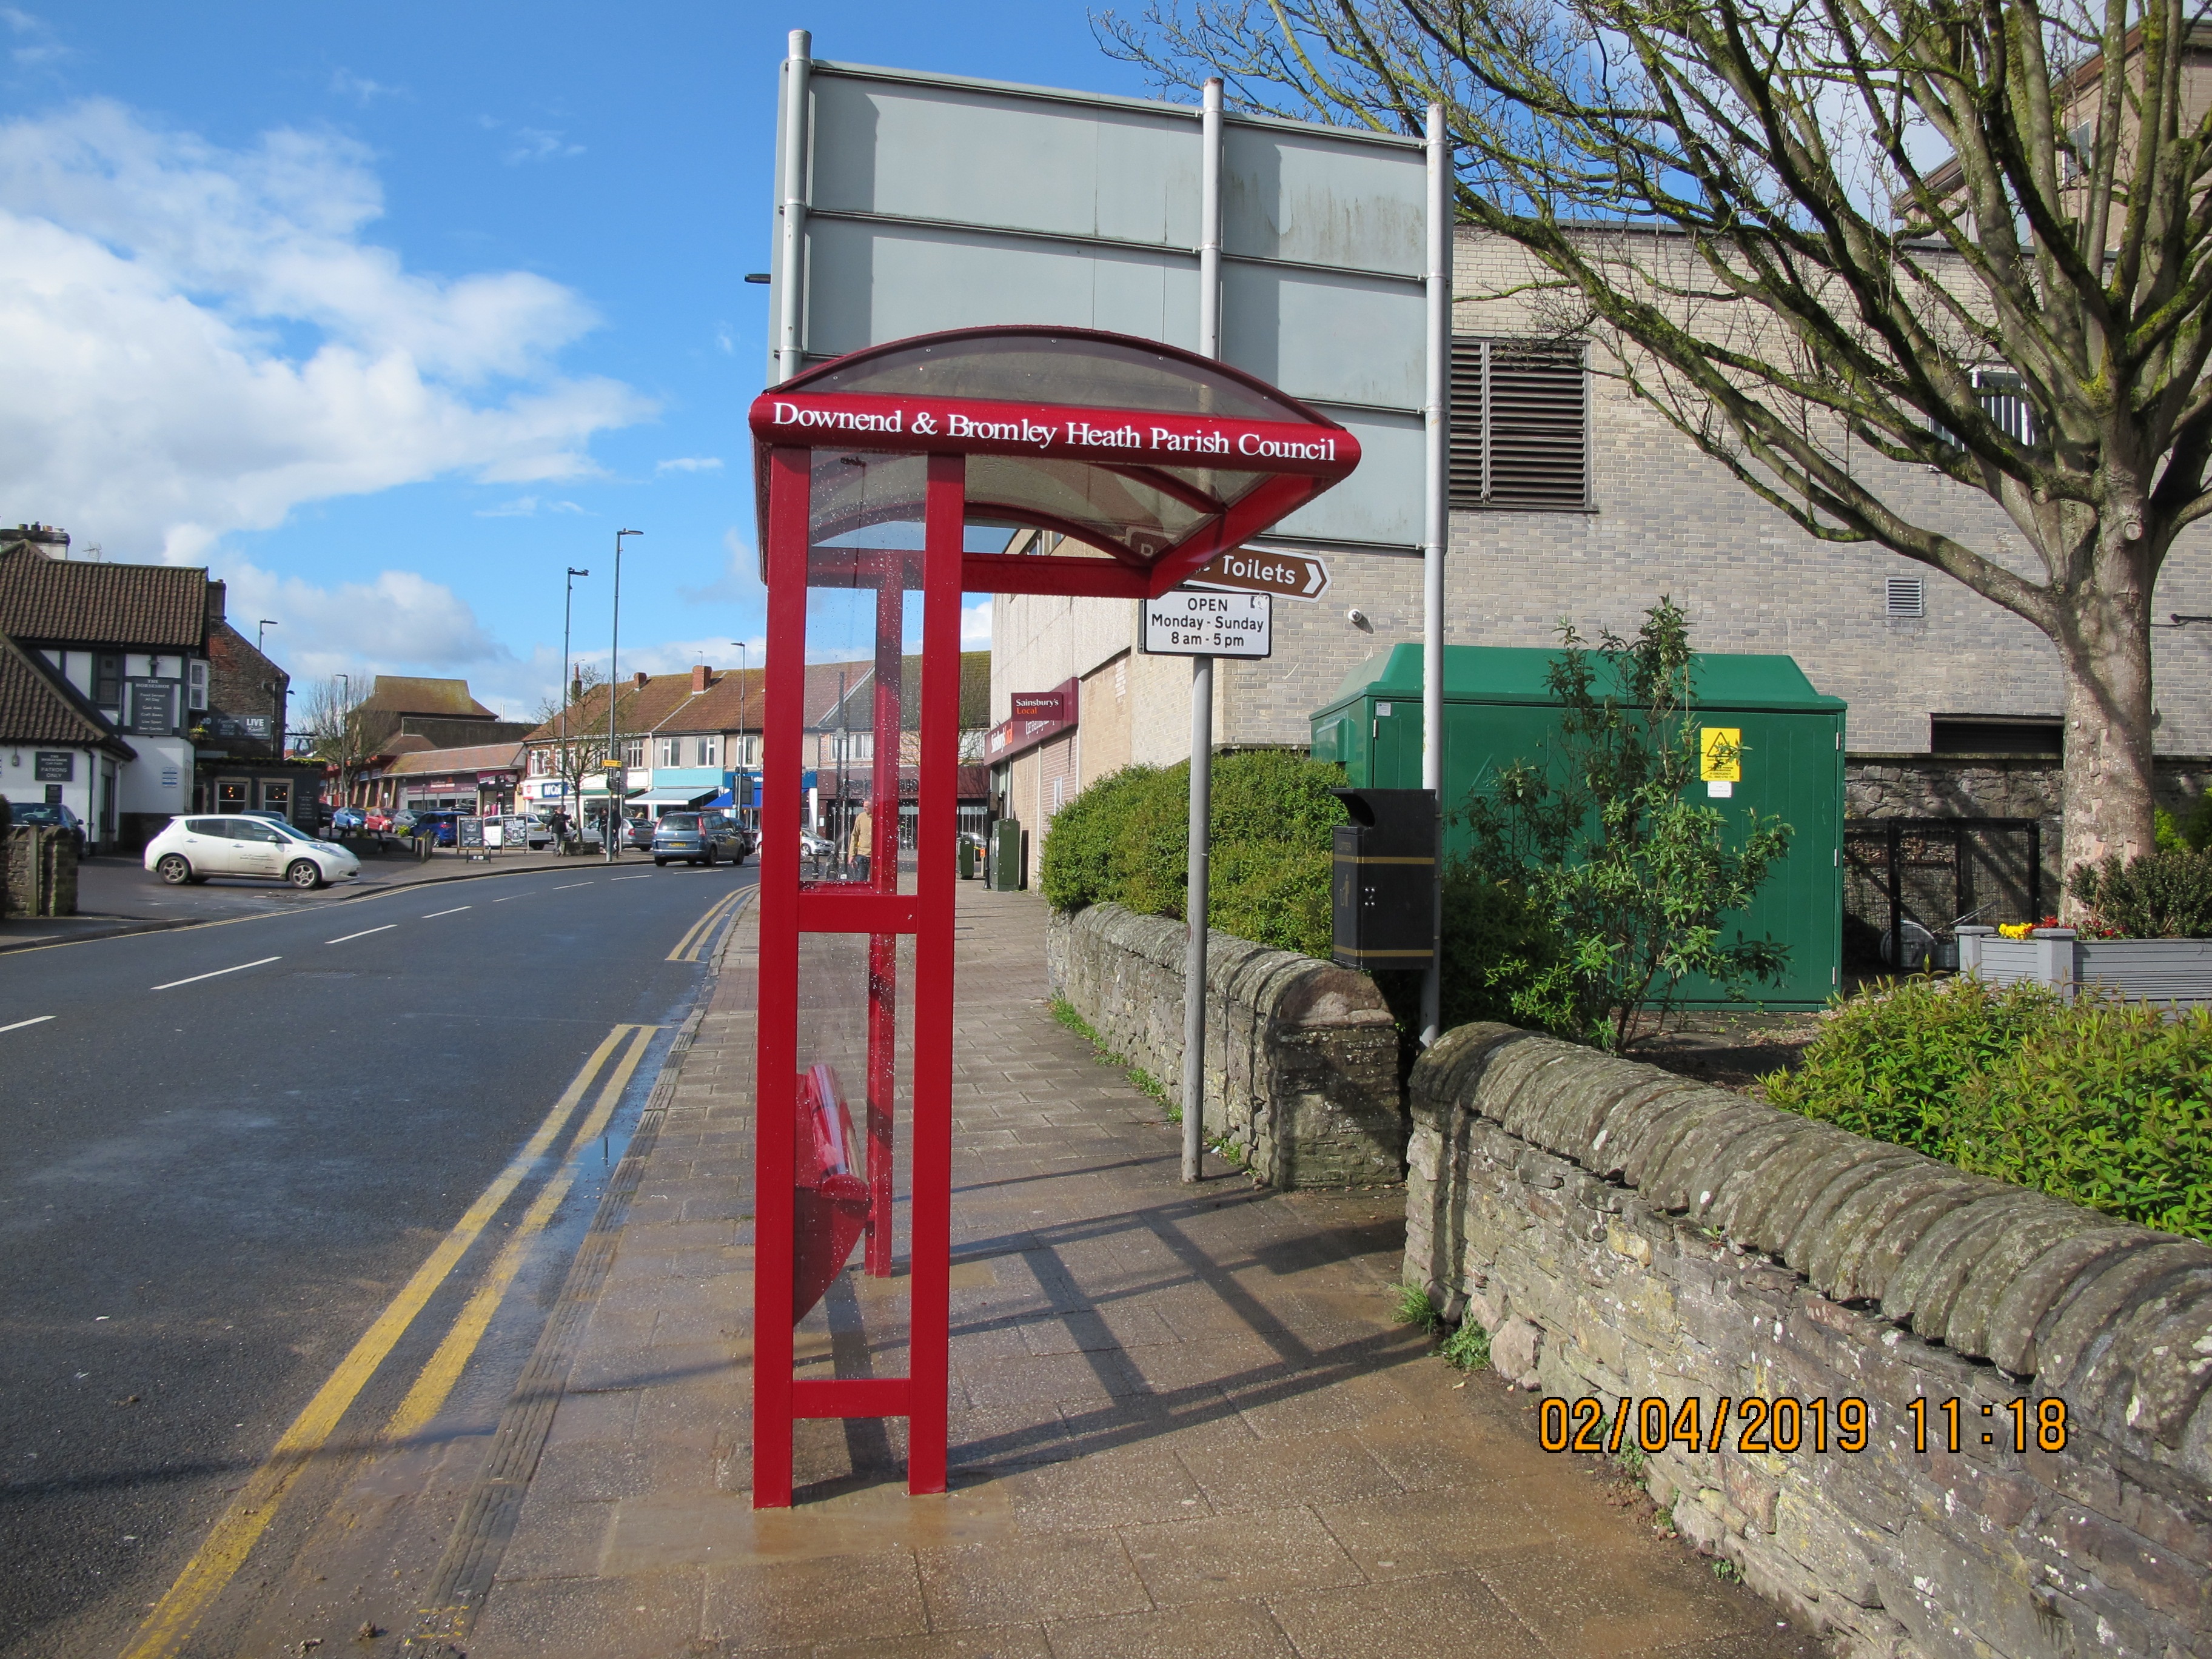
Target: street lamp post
342,738
261,632
609,830
739,760
560,769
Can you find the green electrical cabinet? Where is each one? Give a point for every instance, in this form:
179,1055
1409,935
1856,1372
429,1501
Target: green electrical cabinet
1498,709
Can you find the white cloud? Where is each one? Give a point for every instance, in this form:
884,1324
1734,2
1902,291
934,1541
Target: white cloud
975,626
399,620
538,144
199,340
740,582
363,90
40,47
690,463
725,339
525,506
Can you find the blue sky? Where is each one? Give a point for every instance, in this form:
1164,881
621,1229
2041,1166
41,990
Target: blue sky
389,314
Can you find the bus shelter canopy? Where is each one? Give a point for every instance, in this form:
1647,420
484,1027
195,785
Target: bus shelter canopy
1157,458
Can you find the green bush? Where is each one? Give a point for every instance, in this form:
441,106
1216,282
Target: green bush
1890,1064
2103,1103
1272,895
2167,894
2111,1108
1127,838
1075,867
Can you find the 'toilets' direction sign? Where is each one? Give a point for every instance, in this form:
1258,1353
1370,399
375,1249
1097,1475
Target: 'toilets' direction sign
1183,623
1251,570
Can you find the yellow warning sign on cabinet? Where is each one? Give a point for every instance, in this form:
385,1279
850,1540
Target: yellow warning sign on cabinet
1720,754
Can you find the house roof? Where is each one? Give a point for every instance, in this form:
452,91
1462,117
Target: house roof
66,601
974,693
408,743
406,693
37,705
666,705
483,757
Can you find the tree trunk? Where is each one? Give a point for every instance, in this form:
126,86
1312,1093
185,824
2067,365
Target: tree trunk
2104,649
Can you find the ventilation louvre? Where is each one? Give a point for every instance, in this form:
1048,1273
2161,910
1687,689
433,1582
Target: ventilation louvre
1905,596
1520,430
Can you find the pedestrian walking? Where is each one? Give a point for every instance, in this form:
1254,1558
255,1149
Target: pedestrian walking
863,844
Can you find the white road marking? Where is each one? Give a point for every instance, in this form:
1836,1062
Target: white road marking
633,878
20,1023
364,934
455,911
573,884
218,973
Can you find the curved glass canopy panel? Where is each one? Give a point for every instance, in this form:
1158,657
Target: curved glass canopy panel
1155,456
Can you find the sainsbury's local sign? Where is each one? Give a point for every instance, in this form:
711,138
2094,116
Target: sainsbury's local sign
977,427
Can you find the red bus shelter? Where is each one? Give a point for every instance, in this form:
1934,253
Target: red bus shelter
891,482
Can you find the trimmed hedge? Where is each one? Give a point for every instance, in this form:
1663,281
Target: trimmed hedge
2101,1102
1127,838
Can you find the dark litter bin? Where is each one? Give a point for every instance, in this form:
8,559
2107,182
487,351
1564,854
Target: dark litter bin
1382,882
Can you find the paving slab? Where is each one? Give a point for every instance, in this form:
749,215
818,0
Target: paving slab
1183,1420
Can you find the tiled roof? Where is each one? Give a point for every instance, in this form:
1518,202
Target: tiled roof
406,693
70,602
666,705
484,758
38,706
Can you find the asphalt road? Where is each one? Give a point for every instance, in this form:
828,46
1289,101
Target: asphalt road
229,1146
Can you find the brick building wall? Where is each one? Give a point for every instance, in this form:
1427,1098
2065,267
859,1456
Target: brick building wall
1665,520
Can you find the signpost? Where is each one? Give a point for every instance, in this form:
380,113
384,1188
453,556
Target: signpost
1263,570
1180,624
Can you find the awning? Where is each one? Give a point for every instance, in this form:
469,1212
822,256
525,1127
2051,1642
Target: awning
1157,457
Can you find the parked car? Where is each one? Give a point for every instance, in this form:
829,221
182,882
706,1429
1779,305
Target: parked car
443,826
638,833
348,819
193,848
698,838
50,815
811,846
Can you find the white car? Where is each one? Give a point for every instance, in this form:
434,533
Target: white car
194,848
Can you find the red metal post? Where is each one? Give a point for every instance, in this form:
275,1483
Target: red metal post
883,873
777,1068
936,888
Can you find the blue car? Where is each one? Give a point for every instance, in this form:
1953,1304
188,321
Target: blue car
348,818
443,828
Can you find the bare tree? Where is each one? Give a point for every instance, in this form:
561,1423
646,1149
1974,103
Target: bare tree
577,749
1832,240
333,726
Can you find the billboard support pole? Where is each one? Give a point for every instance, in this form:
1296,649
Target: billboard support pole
1201,681
791,255
1437,528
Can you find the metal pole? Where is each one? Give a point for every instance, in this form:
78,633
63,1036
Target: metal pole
561,770
1201,681
791,257
1435,416
610,826
1193,962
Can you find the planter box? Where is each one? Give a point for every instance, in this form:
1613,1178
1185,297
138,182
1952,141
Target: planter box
2175,970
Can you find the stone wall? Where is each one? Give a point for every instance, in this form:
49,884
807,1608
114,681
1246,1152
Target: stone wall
1302,1056
41,873
1624,1234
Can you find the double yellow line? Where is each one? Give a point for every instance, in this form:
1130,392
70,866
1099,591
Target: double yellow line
694,944
241,1526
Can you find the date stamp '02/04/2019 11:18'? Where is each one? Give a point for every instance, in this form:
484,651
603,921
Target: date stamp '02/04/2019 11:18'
1786,1423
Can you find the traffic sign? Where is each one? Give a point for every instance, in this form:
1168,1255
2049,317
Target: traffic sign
1250,570
1183,623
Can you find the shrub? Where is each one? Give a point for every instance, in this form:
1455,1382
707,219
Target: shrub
2167,894
2100,1102
1128,840
1075,867
1272,895
1889,1064
2111,1107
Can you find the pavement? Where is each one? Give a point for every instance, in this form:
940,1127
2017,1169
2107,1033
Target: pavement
1183,1418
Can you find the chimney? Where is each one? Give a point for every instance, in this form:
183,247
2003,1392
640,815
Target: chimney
642,677
701,677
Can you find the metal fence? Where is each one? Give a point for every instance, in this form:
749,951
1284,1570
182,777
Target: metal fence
1935,872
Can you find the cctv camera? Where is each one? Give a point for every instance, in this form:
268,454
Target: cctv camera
1358,618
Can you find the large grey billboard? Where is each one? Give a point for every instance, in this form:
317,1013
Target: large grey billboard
928,202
